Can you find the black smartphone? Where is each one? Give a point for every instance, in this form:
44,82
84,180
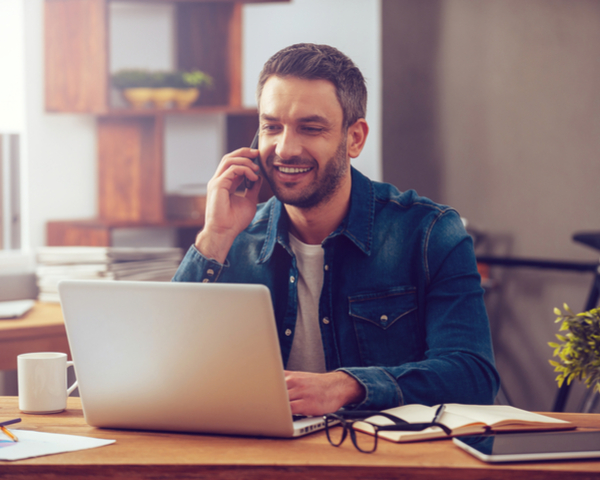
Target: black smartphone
247,184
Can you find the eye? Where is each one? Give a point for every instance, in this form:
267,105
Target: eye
312,130
269,128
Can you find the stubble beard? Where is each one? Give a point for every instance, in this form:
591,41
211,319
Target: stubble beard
323,189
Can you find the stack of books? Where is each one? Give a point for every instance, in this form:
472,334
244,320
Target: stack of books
102,263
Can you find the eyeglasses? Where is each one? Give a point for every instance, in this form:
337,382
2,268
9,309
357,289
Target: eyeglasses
368,443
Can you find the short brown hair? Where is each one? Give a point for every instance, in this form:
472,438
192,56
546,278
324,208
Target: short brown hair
321,62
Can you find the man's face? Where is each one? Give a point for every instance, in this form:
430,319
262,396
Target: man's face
302,142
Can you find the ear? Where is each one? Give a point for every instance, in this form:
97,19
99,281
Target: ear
357,136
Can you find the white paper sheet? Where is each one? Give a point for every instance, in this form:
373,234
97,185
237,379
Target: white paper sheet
36,444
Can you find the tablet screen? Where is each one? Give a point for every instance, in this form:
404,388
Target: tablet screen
511,447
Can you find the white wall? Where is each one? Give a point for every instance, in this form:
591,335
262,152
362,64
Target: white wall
352,26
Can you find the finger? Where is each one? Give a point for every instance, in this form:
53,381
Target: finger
298,407
227,164
242,155
233,176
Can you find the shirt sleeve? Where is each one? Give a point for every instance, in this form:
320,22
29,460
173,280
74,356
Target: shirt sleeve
195,267
458,364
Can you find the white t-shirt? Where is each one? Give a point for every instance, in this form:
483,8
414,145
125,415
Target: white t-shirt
307,353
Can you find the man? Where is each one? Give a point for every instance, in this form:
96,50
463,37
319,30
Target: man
376,293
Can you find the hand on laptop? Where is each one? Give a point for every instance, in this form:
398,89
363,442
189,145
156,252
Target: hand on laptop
321,393
228,214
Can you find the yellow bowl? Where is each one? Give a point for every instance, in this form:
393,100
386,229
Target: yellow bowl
185,97
163,97
138,97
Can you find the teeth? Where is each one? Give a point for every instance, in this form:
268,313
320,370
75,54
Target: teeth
293,169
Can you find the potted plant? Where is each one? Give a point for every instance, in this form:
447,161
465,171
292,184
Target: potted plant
163,88
163,93
190,83
579,349
135,84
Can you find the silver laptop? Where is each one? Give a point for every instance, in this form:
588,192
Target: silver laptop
187,357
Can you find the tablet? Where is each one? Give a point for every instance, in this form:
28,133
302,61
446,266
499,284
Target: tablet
530,446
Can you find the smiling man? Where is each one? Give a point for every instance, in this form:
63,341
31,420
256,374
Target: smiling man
376,293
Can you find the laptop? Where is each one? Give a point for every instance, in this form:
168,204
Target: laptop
181,357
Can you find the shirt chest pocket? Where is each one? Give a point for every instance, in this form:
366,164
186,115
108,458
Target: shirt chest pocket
386,326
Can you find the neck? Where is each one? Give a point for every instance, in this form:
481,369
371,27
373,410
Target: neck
313,225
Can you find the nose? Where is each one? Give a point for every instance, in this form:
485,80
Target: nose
288,144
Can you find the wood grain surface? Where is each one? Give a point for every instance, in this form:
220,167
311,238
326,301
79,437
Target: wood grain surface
157,455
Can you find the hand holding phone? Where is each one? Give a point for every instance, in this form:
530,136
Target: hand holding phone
227,216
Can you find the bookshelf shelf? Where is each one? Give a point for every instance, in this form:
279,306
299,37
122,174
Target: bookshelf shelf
131,142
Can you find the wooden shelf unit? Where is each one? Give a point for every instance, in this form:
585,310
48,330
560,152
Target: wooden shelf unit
131,142
98,232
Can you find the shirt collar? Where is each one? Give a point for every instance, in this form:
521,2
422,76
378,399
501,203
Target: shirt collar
357,226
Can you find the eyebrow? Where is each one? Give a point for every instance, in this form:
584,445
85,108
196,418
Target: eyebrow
308,119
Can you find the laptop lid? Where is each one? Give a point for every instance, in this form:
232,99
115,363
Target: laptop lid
189,357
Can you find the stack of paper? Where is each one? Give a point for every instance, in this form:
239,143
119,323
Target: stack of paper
102,263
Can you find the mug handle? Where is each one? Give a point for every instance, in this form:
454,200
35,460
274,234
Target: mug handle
74,386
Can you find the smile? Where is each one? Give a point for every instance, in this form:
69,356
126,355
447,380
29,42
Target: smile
293,170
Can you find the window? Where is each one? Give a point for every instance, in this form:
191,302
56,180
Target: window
10,198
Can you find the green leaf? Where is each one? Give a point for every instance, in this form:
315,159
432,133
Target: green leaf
567,309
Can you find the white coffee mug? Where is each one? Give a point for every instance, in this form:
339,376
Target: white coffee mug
42,379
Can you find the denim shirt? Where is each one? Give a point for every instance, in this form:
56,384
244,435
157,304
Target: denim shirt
401,309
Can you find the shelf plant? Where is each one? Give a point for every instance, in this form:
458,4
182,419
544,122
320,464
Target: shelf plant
578,350
161,87
189,85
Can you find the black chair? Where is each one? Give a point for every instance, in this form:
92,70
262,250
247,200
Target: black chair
590,239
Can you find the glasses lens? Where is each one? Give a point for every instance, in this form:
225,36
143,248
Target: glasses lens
335,430
365,442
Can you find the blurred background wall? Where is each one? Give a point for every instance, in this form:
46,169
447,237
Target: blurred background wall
493,107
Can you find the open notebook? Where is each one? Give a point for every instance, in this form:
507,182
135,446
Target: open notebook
463,420
190,357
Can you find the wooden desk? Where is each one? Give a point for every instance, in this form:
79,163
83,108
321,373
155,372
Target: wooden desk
42,329
163,455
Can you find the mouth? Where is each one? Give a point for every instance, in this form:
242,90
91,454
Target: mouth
292,170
